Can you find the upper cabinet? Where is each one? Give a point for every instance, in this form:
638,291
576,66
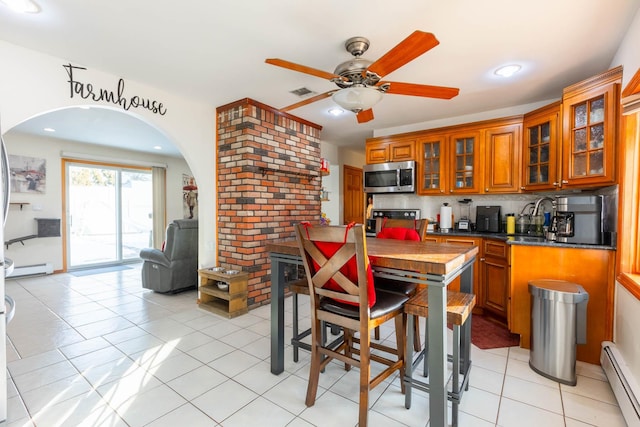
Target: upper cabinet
502,160
541,148
382,150
432,164
569,144
470,159
448,161
464,162
590,130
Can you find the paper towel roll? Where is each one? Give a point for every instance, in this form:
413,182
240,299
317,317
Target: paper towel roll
445,217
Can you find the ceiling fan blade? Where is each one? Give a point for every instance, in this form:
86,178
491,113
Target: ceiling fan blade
365,116
406,51
427,91
308,100
302,69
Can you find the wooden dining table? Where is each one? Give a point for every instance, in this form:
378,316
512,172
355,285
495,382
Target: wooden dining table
433,264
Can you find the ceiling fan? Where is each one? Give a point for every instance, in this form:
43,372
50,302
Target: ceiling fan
359,80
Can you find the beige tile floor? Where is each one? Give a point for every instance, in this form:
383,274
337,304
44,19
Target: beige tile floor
100,350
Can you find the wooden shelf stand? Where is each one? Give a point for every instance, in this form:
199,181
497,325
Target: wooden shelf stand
231,302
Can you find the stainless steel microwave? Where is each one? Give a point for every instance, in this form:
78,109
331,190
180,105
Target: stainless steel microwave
393,177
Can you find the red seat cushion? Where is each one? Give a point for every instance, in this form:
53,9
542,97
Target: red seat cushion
398,233
350,270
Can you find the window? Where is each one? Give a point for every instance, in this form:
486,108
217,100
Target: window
629,225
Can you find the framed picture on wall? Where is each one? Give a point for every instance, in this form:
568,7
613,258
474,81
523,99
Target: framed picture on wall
189,197
28,174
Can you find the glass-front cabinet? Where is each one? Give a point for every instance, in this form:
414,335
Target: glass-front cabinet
540,148
464,162
448,162
587,139
432,164
590,130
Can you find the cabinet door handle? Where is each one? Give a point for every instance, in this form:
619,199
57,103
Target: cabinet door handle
486,190
450,191
523,188
481,259
442,191
564,181
555,184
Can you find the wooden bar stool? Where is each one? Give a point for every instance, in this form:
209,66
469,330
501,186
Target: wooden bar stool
301,287
459,307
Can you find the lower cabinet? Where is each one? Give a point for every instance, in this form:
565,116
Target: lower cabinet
593,269
490,274
494,278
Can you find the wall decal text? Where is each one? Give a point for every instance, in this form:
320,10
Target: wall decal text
117,97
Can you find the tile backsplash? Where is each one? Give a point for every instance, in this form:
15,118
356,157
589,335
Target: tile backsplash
430,205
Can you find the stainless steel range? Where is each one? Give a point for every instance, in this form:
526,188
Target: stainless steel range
389,213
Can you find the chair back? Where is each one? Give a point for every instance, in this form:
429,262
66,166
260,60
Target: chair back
336,265
419,225
182,239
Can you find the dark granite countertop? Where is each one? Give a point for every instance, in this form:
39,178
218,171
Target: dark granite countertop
518,239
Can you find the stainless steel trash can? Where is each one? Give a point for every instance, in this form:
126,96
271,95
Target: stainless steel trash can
558,323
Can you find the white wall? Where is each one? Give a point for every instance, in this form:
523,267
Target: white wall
32,83
338,157
627,307
20,222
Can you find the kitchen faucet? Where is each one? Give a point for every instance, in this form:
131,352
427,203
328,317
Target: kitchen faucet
539,202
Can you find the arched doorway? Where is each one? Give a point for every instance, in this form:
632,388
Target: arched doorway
99,142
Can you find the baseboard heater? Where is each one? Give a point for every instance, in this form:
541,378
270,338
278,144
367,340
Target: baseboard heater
622,383
32,270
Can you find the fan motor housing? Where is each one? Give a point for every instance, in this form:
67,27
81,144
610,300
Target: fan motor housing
355,71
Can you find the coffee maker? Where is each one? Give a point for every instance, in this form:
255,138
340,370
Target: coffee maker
578,220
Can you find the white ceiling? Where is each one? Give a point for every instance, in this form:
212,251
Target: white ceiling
214,51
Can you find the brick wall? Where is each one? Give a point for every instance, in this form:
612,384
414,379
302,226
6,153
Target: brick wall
268,179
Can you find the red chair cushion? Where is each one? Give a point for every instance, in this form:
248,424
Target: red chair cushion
398,233
350,270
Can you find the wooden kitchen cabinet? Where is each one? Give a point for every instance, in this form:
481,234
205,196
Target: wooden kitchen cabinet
593,269
494,278
541,148
464,162
501,148
382,150
432,164
590,131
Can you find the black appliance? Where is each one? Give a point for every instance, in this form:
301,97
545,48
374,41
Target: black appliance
393,177
488,219
389,213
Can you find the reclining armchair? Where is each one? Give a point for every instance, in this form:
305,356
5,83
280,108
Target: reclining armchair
175,268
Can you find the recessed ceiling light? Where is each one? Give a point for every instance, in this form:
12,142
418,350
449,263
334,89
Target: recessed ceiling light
49,129
157,147
22,6
507,70
335,111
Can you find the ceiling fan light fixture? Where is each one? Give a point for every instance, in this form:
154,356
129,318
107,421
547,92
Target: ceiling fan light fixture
507,70
357,98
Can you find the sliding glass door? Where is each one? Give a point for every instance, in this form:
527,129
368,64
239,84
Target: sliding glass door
109,214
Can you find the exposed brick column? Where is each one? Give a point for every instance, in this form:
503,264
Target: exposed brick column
268,179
